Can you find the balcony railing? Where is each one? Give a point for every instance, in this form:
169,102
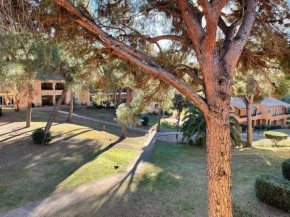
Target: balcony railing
46,88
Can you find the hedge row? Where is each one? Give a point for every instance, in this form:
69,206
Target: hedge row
286,169
267,127
261,127
274,191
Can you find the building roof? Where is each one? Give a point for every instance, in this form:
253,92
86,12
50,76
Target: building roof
49,76
238,103
267,102
270,102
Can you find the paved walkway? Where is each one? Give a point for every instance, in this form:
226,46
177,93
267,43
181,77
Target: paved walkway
60,201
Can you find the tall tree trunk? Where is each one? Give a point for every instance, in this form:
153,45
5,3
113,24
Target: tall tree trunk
249,103
128,103
29,108
119,98
53,115
71,106
218,158
159,120
16,104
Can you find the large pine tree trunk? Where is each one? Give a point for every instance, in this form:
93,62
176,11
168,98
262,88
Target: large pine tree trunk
71,107
29,109
218,148
249,103
53,115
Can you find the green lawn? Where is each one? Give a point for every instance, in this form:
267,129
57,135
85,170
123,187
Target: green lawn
174,184
104,114
167,124
79,153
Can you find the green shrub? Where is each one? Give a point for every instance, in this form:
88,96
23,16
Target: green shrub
239,212
266,127
286,169
38,136
258,127
145,120
275,136
169,112
0,111
244,127
274,191
274,127
243,143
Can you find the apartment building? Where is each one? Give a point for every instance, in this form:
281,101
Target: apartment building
270,111
46,92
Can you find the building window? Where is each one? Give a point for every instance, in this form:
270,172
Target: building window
276,112
269,111
254,111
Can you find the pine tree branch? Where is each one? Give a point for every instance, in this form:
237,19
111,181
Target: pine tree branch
236,46
135,57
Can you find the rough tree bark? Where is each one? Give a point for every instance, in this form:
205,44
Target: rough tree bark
71,106
218,150
53,115
29,108
119,98
128,103
159,120
249,104
16,104
217,68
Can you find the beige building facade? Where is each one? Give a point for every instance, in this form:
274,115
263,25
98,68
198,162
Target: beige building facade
46,93
270,111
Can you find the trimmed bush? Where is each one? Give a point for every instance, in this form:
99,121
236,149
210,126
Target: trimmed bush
145,120
244,127
266,127
38,136
274,191
169,112
274,127
286,169
0,111
258,127
275,136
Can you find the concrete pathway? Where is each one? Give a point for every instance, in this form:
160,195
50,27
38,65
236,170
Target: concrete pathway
60,201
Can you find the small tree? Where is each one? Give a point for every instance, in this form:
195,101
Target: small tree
180,103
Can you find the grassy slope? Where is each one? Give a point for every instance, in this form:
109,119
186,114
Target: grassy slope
77,155
174,184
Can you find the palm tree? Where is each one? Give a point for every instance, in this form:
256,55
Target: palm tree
194,124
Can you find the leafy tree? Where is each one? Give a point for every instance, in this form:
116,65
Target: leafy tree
77,67
180,103
27,52
212,34
286,99
195,125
